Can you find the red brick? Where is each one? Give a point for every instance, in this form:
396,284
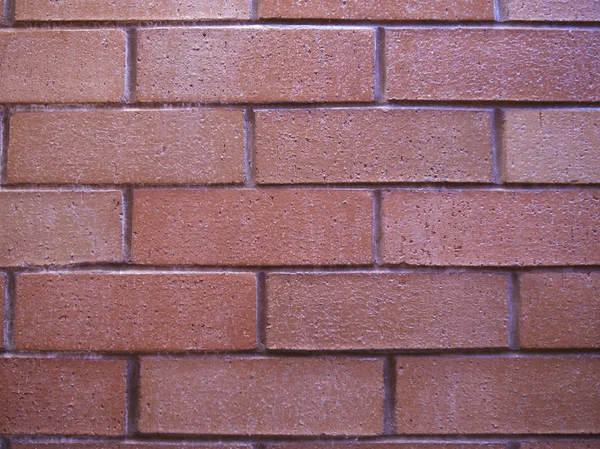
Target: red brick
74,10
386,311
55,228
262,396
551,10
92,445
264,64
252,227
378,10
562,445
62,396
373,145
127,147
3,296
551,145
62,66
491,227
135,312
560,310
507,395
493,64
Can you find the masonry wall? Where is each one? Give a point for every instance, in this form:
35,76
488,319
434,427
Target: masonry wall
285,224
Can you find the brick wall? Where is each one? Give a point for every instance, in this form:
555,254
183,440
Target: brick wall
282,224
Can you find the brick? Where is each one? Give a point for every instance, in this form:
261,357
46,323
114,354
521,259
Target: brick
493,64
491,227
127,147
562,445
386,311
62,396
373,145
75,10
507,395
551,146
551,10
56,228
559,310
378,10
3,293
135,312
62,66
93,445
252,227
258,64
262,396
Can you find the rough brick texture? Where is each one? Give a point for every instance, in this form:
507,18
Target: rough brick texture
62,396
342,146
538,395
493,64
551,146
262,396
58,228
62,66
74,10
562,445
135,312
381,311
252,227
261,65
127,147
551,10
378,10
483,227
559,310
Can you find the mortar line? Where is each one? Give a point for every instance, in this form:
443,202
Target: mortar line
9,13
389,396
127,225
4,144
254,10
130,88
498,157
133,396
9,310
261,313
249,159
514,300
377,229
380,66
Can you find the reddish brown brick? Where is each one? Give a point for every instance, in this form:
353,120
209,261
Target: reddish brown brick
252,227
562,445
266,64
551,145
507,395
373,145
159,445
386,311
62,66
73,10
135,312
491,227
551,10
127,147
62,396
49,227
262,396
493,64
560,310
378,10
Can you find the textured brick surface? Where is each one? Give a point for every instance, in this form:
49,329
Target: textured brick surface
551,145
373,145
493,64
252,227
127,147
73,10
560,310
562,445
57,228
294,396
381,311
62,396
495,228
62,66
378,10
261,64
551,10
135,312
538,395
